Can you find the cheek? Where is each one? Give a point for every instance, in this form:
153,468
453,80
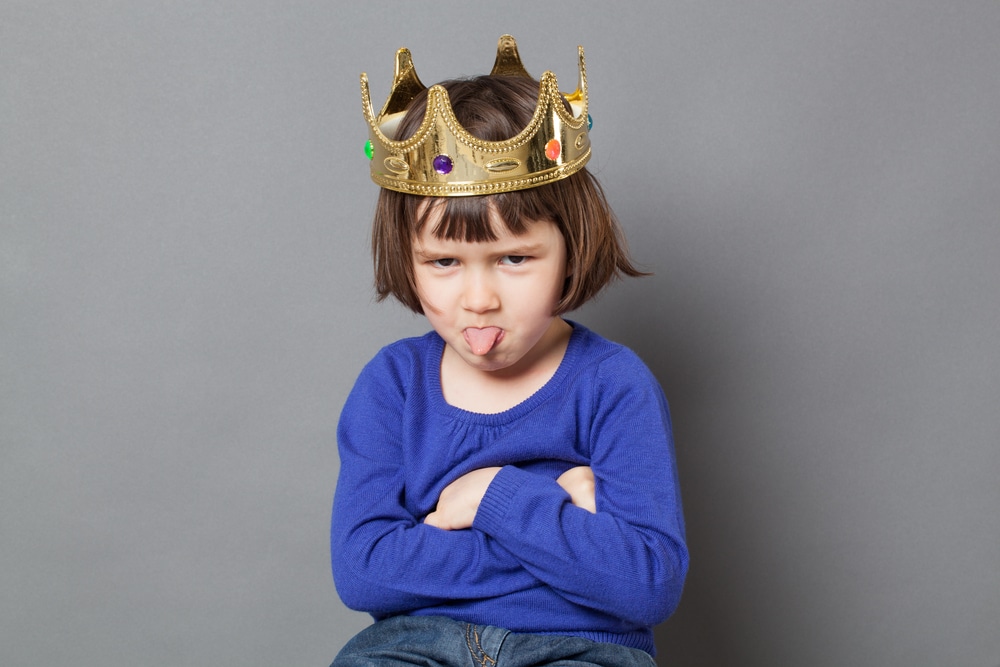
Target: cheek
433,298
561,279
542,296
421,282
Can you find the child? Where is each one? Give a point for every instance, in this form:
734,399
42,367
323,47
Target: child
507,490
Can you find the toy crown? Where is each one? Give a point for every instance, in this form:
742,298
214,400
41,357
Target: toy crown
442,159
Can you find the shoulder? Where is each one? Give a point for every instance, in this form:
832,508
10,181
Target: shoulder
614,376
623,400
398,363
408,349
607,359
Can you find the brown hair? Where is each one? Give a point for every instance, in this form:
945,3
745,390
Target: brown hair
494,108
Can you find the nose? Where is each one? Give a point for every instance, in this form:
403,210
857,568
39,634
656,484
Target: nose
479,294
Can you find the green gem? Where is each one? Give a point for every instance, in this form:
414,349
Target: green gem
369,149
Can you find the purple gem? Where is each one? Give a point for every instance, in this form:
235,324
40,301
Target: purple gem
443,164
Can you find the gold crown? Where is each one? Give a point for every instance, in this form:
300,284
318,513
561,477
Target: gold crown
442,159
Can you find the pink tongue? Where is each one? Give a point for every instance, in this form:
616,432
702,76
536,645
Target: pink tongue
482,340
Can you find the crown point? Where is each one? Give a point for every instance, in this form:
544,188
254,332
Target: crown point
508,62
405,85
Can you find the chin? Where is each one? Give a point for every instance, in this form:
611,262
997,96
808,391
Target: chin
489,363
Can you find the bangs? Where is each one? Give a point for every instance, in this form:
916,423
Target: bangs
469,218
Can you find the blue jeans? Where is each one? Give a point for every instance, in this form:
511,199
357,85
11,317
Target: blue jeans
435,641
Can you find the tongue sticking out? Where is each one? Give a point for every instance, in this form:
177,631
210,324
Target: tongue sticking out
482,340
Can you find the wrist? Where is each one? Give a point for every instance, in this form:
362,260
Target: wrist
498,497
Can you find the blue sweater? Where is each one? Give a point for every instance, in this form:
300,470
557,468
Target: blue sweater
532,561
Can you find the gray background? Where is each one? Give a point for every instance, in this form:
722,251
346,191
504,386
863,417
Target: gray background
185,302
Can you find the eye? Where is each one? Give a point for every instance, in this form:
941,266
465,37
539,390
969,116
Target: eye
443,263
513,260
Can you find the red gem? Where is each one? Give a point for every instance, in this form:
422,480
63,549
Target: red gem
552,149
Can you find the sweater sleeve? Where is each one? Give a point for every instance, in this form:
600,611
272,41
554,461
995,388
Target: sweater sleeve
630,558
385,561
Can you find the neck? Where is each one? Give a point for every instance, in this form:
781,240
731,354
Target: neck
489,392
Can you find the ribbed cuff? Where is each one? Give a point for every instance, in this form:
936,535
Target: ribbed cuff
501,491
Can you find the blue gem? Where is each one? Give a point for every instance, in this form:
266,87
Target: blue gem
590,123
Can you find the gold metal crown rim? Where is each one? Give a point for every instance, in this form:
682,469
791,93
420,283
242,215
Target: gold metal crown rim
472,188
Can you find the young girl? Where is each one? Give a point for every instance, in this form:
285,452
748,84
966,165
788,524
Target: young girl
507,490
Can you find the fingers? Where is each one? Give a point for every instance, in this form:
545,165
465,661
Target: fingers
579,483
459,501
435,519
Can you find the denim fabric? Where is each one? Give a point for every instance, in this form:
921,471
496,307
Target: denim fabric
435,641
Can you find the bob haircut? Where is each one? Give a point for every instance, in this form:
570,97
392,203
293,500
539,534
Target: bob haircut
495,108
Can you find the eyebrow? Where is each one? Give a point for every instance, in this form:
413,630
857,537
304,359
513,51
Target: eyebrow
527,249
424,255
517,250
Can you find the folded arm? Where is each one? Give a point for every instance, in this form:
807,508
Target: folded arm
629,557
385,560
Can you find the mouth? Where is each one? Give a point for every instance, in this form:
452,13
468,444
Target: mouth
482,340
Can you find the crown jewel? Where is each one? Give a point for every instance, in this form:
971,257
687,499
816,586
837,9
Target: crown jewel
442,159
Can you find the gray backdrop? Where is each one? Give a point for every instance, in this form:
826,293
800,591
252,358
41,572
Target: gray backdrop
185,302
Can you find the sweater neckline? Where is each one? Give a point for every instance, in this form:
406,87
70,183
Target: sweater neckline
438,402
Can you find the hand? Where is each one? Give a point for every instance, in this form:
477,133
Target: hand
579,484
459,501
